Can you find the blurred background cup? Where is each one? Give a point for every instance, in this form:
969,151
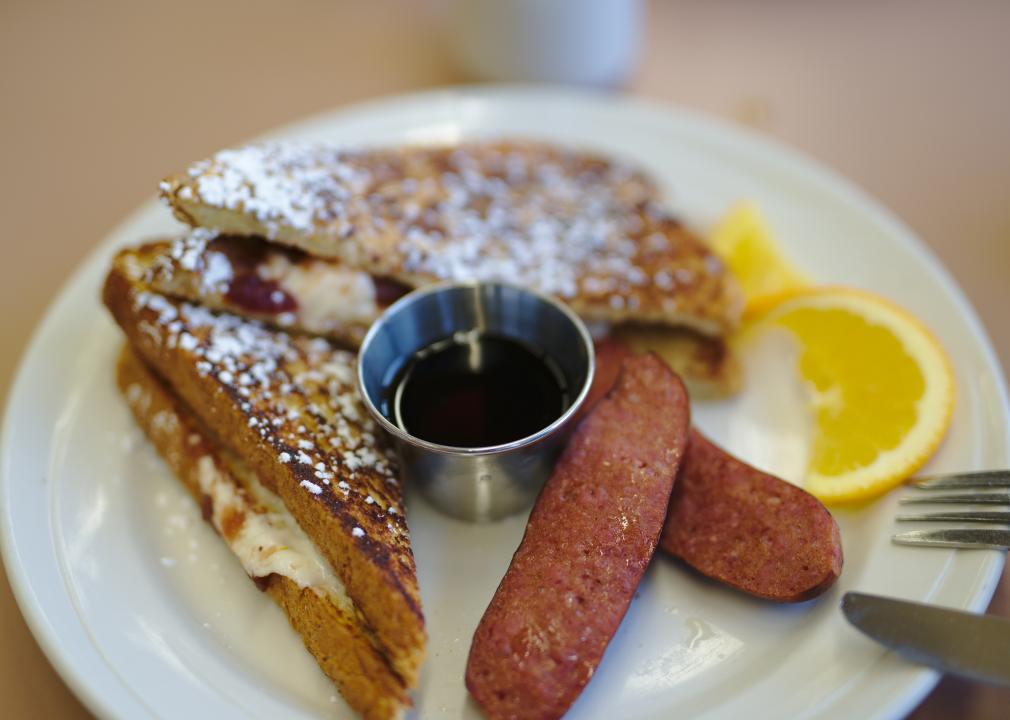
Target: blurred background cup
586,42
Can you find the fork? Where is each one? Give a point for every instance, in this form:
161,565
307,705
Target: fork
990,487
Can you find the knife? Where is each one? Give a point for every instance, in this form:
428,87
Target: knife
974,646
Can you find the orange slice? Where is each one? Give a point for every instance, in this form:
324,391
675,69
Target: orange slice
881,388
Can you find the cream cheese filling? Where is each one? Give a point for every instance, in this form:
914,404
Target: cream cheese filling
269,539
328,295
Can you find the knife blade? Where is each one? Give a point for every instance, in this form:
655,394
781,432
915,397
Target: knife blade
973,646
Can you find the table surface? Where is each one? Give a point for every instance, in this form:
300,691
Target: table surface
99,100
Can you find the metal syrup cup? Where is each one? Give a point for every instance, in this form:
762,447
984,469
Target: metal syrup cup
475,483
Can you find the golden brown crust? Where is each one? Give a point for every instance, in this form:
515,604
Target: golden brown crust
364,679
570,224
286,406
709,366
334,636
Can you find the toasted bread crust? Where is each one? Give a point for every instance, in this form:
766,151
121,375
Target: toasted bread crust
265,393
565,223
334,636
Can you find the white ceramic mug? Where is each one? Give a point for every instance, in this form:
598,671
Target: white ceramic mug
591,42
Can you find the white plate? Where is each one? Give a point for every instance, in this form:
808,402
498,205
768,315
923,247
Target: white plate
145,614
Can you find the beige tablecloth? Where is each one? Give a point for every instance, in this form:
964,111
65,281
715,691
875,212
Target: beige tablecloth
99,99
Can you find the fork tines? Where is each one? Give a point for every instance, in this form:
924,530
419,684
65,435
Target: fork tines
951,481
997,517
974,538
980,498
984,483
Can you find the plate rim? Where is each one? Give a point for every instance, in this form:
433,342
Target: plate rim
911,691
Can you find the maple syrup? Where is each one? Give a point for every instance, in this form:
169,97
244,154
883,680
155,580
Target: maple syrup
477,390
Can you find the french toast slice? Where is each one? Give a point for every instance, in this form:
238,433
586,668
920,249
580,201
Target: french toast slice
709,366
297,292
273,550
264,281
570,224
287,405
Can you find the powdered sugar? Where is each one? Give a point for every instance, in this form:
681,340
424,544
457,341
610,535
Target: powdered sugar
548,229
218,273
188,249
192,254
282,184
563,223
296,393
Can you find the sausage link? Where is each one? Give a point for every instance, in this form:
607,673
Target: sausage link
745,528
748,529
589,539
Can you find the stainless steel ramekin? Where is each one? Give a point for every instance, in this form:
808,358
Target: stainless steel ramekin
481,483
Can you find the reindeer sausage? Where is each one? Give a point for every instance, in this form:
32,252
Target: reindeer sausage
748,529
735,524
589,539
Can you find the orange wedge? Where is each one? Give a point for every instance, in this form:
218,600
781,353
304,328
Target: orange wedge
746,244
881,388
